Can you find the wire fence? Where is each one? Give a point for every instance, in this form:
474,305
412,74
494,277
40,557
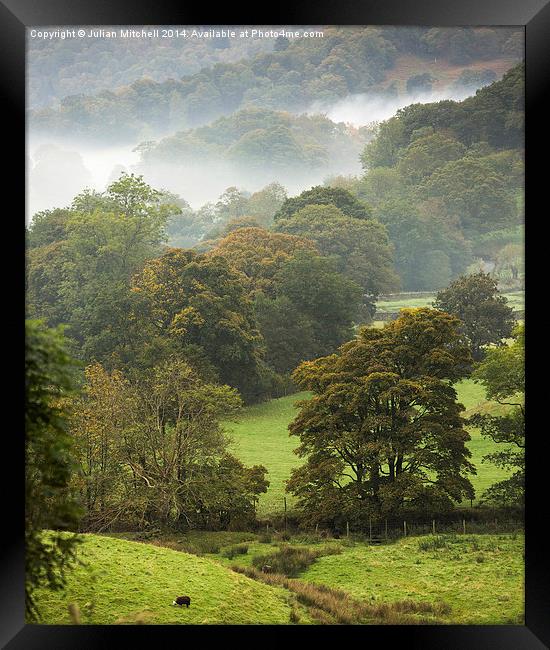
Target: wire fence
387,530
390,530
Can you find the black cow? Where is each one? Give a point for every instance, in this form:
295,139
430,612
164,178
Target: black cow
182,600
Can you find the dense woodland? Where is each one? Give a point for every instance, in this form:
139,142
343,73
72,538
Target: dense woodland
256,137
445,179
291,77
60,68
151,323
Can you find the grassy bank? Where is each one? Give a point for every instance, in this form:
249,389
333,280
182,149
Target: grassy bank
475,579
480,577
120,581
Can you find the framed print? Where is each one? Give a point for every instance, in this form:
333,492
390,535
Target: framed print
275,310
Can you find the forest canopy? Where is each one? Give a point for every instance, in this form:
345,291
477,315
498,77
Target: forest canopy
280,75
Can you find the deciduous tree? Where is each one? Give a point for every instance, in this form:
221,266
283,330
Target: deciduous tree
49,462
383,430
319,195
502,373
359,247
152,451
259,254
486,317
194,299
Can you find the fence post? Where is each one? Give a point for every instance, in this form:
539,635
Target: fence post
74,614
316,528
433,526
405,528
285,511
347,528
464,526
370,530
386,530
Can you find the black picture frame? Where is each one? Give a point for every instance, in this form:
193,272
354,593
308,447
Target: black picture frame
534,15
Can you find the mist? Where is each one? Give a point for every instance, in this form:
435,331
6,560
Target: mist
59,169
364,108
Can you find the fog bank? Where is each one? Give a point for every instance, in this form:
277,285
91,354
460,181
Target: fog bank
60,169
364,108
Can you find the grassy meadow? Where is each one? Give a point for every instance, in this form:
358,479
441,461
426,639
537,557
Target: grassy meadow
475,579
261,437
392,304
480,577
125,582
442,579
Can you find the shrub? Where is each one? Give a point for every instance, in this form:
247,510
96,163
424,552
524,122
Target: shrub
308,538
294,616
281,536
199,546
146,535
237,549
288,561
433,543
292,560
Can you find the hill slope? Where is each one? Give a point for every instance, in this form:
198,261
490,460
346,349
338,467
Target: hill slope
261,436
126,582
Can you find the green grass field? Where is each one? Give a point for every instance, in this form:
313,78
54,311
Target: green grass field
480,577
128,582
516,300
261,437
466,579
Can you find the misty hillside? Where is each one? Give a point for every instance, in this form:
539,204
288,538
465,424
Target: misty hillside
495,114
294,77
274,290
260,136
63,67
446,179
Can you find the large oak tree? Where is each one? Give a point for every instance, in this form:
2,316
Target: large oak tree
383,430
